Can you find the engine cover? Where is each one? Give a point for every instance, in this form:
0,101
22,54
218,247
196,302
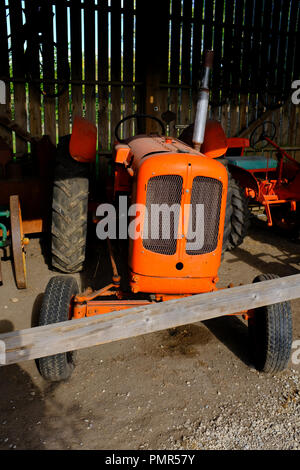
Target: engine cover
171,182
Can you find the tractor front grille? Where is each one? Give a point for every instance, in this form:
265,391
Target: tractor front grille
161,227
206,191
164,193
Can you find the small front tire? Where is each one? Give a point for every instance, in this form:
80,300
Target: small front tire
270,333
56,308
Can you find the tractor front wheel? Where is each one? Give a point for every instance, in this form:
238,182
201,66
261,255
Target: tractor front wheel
270,334
56,307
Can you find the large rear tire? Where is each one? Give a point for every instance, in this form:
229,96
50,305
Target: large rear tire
56,308
69,211
271,333
237,219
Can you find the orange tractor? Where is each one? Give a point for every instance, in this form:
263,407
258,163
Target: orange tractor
170,254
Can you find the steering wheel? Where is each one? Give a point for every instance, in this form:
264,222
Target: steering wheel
136,116
266,129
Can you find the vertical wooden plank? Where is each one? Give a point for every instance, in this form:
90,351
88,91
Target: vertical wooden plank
227,65
153,56
4,72
292,127
196,52
217,46
115,65
297,142
296,71
175,56
15,11
264,54
139,60
275,67
292,41
76,57
236,67
208,25
243,104
128,63
291,57
296,76
186,63
283,81
89,59
48,73
4,63
286,123
253,56
35,121
62,66
246,66
208,30
103,75
197,41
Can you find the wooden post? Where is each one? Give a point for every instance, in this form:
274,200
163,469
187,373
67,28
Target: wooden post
103,91
128,64
152,52
4,72
62,66
15,11
56,338
115,67
89,59
48,72
76,57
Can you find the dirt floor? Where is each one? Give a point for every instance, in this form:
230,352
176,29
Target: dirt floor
191,388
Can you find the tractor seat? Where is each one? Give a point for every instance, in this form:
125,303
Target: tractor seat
253,162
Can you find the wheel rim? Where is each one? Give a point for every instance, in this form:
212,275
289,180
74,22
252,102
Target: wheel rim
18,242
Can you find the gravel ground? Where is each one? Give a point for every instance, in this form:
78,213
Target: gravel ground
272,423
190,388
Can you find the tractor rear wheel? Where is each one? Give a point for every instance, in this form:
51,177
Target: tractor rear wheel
270,333
69,211
237,219
55,308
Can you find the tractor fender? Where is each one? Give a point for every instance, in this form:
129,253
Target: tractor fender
83,140
245,179
215,142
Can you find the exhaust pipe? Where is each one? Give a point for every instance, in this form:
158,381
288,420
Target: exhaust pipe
202,103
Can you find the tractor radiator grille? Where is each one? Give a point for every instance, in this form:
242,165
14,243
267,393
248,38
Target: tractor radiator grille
161,227
206,191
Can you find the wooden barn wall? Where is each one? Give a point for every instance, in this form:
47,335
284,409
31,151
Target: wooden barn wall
126,56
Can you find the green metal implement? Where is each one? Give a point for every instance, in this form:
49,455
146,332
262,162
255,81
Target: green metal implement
3,240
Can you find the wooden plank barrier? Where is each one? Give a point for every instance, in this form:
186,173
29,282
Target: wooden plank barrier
71,335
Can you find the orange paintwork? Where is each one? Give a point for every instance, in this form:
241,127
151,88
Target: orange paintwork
83,140
215,141
154,272
151,272
238,142
91,308
122,180
103,307
123,154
